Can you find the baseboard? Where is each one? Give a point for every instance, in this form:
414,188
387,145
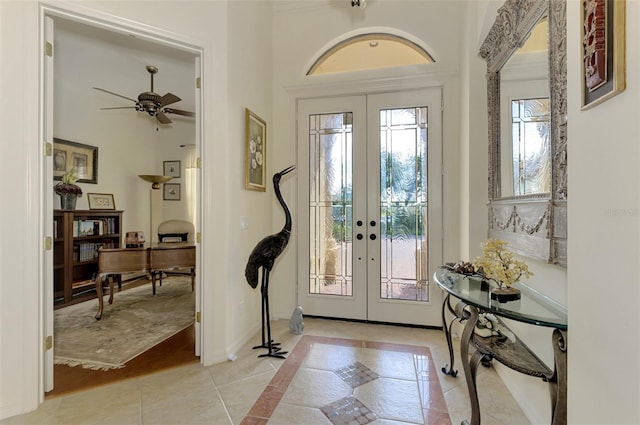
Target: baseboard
531,394
235,347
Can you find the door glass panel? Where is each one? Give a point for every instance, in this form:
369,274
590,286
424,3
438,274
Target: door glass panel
330,204
403,204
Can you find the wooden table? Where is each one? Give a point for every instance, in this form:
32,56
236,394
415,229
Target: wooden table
153,260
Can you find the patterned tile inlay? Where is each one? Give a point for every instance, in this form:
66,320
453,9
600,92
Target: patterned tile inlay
356,374
349,411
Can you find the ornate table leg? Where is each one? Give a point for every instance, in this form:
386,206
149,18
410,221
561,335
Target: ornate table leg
558,381
99,283
470,365
446,304
100,300
111,289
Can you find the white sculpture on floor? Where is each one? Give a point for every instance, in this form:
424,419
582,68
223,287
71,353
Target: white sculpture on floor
296,324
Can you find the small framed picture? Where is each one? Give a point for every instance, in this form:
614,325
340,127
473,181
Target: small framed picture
101,201
256,152
172,168
603,50
172,191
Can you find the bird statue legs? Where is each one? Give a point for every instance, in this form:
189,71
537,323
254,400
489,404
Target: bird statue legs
273,347
264,317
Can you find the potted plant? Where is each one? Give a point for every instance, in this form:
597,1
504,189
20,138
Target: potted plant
68,190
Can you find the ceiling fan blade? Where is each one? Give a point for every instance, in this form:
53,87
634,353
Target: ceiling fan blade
168,99
178,112
162,118
120,107
116,94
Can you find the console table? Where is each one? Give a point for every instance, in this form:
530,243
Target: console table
153,260
474,298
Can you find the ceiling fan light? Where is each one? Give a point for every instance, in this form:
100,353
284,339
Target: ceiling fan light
152,103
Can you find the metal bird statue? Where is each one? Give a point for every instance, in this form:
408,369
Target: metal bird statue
263,256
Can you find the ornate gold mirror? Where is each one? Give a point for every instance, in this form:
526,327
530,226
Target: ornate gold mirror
525,52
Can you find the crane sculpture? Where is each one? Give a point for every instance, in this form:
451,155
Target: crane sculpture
264,256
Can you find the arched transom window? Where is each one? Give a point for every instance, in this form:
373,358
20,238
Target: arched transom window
370,51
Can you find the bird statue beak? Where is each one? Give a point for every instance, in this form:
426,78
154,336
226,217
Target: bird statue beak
287,170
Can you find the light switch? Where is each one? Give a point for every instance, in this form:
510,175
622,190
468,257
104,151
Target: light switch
244,223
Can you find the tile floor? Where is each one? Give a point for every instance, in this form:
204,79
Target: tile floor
383,375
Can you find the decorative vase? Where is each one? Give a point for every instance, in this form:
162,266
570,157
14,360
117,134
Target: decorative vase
503,295
480,282
68,201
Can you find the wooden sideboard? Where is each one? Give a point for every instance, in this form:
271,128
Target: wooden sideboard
77,236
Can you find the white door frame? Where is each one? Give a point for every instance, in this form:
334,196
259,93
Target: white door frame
108,23
47,204
366,87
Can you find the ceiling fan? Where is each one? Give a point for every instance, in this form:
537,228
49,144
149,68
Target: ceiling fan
152,103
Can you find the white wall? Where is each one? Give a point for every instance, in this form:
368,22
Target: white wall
304,30
20,341
250,79
601,288
473,132
604,240
531,394
200,24
604,236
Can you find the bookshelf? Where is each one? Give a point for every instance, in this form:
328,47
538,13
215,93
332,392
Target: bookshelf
77,235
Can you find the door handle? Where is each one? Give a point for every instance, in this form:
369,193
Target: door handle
359,236
372,223
372,236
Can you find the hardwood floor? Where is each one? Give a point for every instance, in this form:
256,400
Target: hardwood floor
175,351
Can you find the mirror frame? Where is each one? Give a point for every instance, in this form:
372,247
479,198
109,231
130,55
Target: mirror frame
535,226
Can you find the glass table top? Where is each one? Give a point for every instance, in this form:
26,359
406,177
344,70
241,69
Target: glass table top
532,307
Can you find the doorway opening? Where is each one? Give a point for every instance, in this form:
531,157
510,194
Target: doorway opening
120,55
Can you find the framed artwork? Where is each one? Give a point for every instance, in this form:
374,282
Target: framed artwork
101,201
603,50
171,168
256,152
171,191
67,155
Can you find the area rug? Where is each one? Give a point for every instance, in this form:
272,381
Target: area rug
135,322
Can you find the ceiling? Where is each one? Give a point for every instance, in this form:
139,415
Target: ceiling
117,62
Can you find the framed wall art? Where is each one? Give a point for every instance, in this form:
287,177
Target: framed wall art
603,50
67,155
256,152
101,201
171,192
171,168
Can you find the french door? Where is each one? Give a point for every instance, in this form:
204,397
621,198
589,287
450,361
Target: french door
370,206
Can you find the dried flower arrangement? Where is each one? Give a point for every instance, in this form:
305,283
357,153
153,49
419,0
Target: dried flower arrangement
499,264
